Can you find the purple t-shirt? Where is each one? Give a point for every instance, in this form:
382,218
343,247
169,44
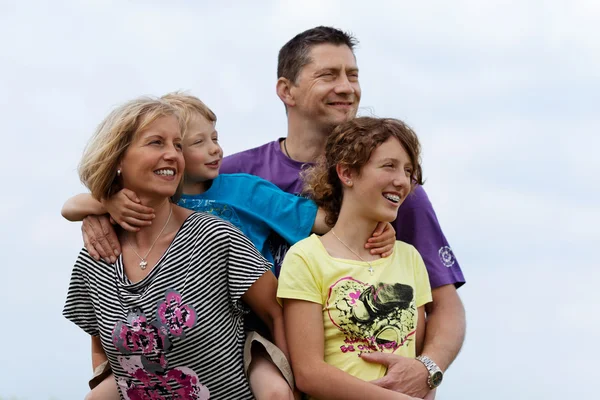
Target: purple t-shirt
416,224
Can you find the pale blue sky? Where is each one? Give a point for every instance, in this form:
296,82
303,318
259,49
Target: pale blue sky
504,96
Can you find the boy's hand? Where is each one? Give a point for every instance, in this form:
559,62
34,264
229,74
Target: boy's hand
383,240
100,239
125,209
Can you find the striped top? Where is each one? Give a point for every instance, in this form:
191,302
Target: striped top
178,333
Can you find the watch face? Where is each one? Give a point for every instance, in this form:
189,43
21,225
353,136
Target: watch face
436,379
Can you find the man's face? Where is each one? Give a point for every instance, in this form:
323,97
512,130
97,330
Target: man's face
327,91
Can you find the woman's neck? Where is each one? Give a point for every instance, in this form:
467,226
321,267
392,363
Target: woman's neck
162,217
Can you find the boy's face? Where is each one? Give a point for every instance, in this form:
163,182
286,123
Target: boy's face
201,150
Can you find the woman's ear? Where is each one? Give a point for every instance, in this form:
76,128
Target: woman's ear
284,91
345,174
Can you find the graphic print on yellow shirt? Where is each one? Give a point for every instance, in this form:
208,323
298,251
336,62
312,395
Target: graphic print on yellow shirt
377,317
362,313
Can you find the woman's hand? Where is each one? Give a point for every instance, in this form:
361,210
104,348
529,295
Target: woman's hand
125,209
383,240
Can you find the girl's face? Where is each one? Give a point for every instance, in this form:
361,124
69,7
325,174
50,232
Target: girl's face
201,150
152,166
382,184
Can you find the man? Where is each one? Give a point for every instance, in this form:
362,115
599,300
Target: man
318,84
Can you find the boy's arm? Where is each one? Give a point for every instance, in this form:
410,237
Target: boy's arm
80,206
98,354
261,298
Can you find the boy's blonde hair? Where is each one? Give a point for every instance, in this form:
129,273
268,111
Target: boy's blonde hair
187,106
98,166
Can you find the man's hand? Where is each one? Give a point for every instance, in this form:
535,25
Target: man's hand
100,238
383,240
404,375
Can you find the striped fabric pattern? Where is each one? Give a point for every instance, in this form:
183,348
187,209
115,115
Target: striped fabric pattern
178,333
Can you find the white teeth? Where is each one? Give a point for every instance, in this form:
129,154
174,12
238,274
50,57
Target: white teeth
166,172
392,197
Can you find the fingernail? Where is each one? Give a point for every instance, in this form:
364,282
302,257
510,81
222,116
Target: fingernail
116,253
113,260
107,260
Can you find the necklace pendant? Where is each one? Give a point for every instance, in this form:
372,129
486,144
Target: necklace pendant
143,264
371,270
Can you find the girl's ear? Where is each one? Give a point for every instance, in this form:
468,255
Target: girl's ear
345,174
284,90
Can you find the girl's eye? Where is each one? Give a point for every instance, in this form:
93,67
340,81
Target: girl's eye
216,140
199,141
408,171
389,165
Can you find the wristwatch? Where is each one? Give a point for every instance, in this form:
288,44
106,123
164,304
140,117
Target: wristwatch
435,373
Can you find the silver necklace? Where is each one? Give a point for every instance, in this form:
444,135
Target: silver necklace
143,262
353,252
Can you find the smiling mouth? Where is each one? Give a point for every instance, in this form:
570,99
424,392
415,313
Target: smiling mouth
394,198
165,172
214,163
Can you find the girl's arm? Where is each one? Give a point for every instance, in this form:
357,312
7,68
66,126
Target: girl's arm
80,206
305,335
262,299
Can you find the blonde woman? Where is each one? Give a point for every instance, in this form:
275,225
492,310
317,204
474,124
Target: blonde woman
339,300
168,314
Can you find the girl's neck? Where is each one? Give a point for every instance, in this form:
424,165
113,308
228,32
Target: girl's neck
354,231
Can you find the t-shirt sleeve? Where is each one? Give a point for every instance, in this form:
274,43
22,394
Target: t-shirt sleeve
79,307
422,286
290,216
245,264
297,279
417,224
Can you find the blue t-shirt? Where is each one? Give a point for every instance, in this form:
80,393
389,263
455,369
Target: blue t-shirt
257,207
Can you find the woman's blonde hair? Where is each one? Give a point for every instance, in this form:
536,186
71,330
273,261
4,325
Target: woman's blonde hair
99,164
351,144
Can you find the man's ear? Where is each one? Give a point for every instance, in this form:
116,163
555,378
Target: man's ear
284,91
345,175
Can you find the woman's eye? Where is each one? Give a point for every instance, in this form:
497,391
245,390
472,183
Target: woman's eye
155,142
179,146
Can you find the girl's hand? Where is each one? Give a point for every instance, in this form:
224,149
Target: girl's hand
125,209
383,240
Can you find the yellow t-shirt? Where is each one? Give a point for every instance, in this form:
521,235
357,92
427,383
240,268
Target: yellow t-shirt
362,313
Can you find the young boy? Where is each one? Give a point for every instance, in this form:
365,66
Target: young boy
252,204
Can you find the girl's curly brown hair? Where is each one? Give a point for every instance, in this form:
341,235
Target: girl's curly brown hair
351,144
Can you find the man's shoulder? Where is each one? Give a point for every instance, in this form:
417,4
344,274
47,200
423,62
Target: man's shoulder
248,160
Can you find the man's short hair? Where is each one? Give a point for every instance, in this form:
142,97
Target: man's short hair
294,55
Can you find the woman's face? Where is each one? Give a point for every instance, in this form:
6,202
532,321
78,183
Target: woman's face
383,183
152,165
